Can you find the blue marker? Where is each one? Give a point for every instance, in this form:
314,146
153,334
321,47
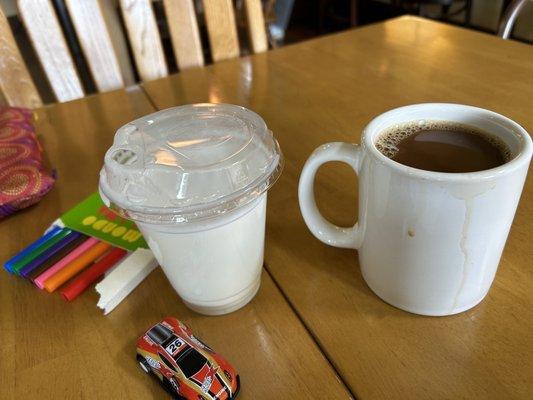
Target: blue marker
8,265
45,255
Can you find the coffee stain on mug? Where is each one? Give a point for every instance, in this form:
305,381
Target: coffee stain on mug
467,194
464,250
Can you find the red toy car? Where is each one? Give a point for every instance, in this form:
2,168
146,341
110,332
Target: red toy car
187,368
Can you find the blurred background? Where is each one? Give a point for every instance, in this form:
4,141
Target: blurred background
315,17
287,21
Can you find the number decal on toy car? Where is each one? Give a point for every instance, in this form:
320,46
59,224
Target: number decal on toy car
174,346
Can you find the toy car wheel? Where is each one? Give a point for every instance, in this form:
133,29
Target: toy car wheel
172,388
174,384
144,364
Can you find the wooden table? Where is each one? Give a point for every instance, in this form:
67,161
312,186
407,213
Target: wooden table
327,90
54,350
315,330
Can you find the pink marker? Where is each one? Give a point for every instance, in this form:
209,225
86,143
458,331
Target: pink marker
82,248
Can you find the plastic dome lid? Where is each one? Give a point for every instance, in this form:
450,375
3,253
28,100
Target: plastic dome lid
189,163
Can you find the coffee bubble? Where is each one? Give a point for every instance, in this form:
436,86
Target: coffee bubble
387,142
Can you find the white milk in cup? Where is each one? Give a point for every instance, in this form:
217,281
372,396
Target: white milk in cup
195,180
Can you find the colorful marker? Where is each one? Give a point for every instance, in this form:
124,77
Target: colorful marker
9,263
56,257
17,266
45,255
39,281
91,274
76,266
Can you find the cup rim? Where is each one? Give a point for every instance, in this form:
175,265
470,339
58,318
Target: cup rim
523,155
127,188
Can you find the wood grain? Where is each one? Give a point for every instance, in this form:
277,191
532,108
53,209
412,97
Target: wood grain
255,22
116,34
144,38
93,35
221,29
184,34
16,84
45,33
57,350
327,90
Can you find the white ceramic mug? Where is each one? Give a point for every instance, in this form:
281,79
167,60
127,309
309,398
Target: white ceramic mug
428,242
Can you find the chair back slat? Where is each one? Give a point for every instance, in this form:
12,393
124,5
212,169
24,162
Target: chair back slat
256,25
118,38
45,33
91,29
221,29
104,43
16,85
144,38
183,27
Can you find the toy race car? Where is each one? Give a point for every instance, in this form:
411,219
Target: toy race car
187,368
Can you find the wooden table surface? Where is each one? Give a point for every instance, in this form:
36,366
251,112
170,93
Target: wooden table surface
327,90
51,349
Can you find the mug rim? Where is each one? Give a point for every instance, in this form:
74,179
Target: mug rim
523,155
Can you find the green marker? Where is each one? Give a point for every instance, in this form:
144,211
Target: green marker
38,251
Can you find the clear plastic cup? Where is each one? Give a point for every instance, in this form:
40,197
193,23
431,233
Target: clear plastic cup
195,178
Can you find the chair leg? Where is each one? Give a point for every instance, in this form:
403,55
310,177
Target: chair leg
468,12
353,13
444,12
321,14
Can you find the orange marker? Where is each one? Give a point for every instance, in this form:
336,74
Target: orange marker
75,266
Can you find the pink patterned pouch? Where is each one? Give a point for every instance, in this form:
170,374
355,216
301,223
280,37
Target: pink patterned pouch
23,179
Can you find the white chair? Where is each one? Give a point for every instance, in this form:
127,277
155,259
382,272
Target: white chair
103,43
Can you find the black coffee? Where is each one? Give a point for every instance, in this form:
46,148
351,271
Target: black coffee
443,147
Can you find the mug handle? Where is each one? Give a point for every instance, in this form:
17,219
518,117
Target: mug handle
320,227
